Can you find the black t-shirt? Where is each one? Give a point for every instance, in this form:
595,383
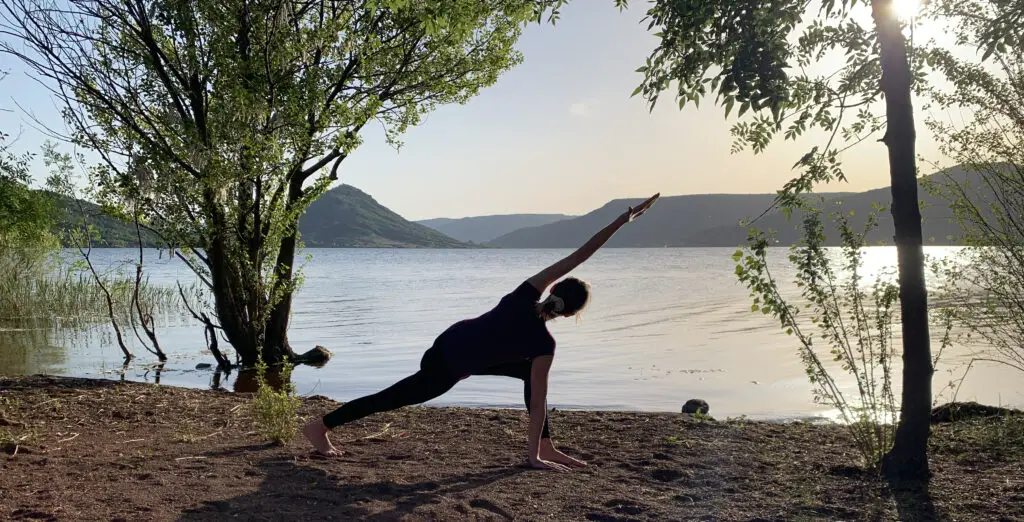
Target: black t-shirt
511,331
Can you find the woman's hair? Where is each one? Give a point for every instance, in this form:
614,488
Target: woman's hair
572,294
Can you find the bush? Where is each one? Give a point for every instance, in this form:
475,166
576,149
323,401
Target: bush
845,324
274,410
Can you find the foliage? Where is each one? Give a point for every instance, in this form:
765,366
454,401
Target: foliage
127,300
982,291
36,282
758,60
54,290
26,215
219,123
766,57
999,437
845,322
986,284
274,410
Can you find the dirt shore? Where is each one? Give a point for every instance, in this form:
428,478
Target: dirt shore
73,449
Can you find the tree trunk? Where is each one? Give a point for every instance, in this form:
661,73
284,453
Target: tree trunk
280,314
249,339
236,311
908,457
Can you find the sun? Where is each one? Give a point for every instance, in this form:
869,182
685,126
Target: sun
907,9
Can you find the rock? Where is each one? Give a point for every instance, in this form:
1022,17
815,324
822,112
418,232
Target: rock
204,366
696,406
316,357
955,411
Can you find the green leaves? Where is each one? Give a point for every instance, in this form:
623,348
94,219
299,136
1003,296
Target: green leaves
981,287
221,121
738,48
853,319
26,214
763,62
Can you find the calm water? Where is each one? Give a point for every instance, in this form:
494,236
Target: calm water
664,326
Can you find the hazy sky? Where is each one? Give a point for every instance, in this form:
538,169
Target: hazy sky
557,134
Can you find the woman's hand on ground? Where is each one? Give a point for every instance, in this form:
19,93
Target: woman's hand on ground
538,463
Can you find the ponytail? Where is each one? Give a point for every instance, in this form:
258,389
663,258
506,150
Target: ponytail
553,305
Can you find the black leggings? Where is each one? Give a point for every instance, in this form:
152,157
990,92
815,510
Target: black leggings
432,381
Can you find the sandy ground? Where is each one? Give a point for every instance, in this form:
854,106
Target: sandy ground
77,449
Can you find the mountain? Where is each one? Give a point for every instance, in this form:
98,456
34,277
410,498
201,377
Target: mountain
672,222
343,217
113,233
938,226
712,220
346,217
481,229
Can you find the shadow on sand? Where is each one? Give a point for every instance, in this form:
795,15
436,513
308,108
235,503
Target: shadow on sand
291,491
914,501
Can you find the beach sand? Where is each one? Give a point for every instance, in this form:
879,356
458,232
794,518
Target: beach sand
76,449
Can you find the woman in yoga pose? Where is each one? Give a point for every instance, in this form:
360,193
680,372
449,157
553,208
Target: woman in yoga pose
511,339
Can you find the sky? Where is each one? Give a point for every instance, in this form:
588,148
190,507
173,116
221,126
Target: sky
557,134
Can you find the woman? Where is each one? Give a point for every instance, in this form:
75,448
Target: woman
511,339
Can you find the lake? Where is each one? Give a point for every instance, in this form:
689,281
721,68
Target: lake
664,326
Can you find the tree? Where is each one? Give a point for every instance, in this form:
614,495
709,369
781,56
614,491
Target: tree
219,122
26,215
986,189
841,327
742,52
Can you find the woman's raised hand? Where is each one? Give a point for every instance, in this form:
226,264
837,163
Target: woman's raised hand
637,211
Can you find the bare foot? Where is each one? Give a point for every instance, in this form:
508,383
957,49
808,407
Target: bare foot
549,453
316,433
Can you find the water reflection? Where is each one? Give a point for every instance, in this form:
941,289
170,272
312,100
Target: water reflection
247,381
30,347
218,376
154,369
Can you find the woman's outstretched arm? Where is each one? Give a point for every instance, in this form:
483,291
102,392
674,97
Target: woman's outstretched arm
543,279
538,412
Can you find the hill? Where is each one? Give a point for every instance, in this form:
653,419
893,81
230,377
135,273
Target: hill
938,227
481,229
675,221
346,217
712,220
113,233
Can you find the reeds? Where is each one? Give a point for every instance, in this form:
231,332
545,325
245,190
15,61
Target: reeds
37,287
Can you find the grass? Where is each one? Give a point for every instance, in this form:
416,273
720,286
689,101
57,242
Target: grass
34,286
185,435
1000,438
8,405
275,412
10,440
